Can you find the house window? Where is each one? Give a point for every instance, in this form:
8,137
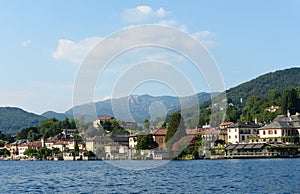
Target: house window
275,139
235,136
275,131
229,130
235,130
243,138
270,131
229,137
161,140
264,132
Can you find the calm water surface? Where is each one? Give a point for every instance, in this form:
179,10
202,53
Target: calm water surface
201,176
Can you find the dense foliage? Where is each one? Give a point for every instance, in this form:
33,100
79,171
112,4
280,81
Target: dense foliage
4,152
146,142
5,138
175,130
48,128
257,108
42,153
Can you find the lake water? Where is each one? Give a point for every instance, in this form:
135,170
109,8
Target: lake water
198,176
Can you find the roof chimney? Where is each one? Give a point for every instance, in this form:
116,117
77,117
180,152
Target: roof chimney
288,113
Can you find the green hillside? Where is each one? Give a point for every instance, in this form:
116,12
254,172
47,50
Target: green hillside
14,119
280,80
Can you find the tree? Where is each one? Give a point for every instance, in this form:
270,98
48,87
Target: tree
76,133
44,152
31,133
55,151
89,154
65,124
255,108
205,117
50,127
4,152
175,130
274,97
232,113
289,101
146,142
30,152
146,124
76,149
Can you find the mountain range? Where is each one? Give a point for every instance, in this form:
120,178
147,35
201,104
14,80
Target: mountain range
138,107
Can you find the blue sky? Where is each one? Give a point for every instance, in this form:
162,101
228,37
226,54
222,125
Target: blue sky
43,43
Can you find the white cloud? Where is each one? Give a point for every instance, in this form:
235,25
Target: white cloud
204,34
206,37
74,51
143,13
26,43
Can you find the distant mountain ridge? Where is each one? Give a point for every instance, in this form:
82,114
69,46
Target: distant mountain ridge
52,114
14,119
138,106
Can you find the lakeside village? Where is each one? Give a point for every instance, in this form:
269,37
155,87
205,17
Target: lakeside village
280,138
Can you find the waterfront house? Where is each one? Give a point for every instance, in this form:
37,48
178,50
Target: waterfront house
50,142
284,129
132,141
159,137
246,150
13,147
33,145
212,139
242,132
96,144
61,145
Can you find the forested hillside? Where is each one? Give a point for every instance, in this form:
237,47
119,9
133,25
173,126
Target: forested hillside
14,119
280,80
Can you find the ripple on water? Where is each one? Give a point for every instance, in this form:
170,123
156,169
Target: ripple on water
202,176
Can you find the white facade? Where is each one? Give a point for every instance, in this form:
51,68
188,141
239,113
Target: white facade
242,132
21,150
132,142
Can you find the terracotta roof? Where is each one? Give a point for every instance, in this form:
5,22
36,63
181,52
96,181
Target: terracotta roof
160,132
31,144
226,123
61,143
191,131
106,118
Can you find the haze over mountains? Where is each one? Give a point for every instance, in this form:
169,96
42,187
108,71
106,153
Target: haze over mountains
15,119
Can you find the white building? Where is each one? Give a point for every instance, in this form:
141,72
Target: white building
242,132
284,129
